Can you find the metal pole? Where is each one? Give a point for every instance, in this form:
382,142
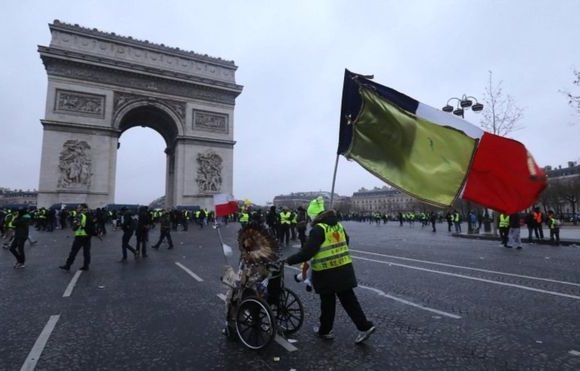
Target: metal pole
333,182
217,227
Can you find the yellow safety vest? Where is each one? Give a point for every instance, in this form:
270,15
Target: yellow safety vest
244,217
285,217
80,232
333,252
504,221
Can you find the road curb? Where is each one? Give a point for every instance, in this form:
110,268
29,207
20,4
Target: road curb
490,237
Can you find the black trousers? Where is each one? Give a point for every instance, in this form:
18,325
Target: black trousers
85,243
302,236
284,233
555,235
538,231
142,238
17,249
350,304
503,235
125,243
165,233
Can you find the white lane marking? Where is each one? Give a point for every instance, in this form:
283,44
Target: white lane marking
471,278
197,278
468,268
36,351
279,339
71,285
574,353
382,293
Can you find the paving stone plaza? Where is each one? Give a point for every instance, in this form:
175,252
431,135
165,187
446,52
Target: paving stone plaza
439,302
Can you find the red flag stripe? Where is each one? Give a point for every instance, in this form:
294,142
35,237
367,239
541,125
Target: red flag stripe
503,175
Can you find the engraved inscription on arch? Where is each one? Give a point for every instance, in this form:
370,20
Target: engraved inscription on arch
79,103
209,121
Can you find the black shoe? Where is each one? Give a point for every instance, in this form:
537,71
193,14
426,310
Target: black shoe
308,288
170,247
519,247
155,246
65,268
83,268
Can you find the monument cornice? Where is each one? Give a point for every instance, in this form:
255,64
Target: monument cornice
145,44
48,53
142,82
225,143
79,128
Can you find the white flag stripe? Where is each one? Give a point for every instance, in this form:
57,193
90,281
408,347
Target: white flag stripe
446,119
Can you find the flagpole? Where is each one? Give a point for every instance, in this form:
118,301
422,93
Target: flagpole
333,181
217,227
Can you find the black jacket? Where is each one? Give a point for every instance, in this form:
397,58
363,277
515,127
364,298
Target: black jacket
327,281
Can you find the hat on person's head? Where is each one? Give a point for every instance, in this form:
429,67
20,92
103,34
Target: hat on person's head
83,206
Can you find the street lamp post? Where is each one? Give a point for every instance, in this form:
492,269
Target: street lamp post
464,103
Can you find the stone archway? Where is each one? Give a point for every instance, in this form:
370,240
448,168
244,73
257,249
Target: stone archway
101,84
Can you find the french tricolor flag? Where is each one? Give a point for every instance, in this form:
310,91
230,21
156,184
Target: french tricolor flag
431,155
224,204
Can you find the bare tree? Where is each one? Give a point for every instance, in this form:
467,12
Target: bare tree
500,114
573,99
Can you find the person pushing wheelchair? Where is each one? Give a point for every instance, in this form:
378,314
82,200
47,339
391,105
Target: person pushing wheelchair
332,275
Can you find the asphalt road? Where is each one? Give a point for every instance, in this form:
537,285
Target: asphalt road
439,302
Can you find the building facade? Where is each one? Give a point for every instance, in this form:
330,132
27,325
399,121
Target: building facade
384,200
293,200
17,197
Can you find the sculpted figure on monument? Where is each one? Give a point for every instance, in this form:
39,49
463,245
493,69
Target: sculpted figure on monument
80,103
209,172
74,164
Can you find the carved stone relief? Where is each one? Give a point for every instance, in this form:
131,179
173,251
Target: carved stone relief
75,165
79,103
122,99
136,81
209,172
209,121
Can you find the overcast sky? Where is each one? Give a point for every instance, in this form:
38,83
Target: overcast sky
291,57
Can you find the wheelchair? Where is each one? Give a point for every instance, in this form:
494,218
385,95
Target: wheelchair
259,306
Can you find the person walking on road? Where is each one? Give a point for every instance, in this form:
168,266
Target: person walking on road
165,230
128,227
504,227
538,219
21,224
554,225
82,240
142,233
514,238
332,275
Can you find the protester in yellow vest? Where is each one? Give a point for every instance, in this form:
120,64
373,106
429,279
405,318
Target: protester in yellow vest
82,239
332,275
504,227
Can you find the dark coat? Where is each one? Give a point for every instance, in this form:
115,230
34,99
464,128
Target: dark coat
327,281
21,226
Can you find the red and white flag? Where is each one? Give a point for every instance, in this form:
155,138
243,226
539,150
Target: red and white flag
224,204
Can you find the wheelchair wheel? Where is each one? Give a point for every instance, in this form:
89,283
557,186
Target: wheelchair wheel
255,323
289,312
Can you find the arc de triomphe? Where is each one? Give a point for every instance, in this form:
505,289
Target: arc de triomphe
101,84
